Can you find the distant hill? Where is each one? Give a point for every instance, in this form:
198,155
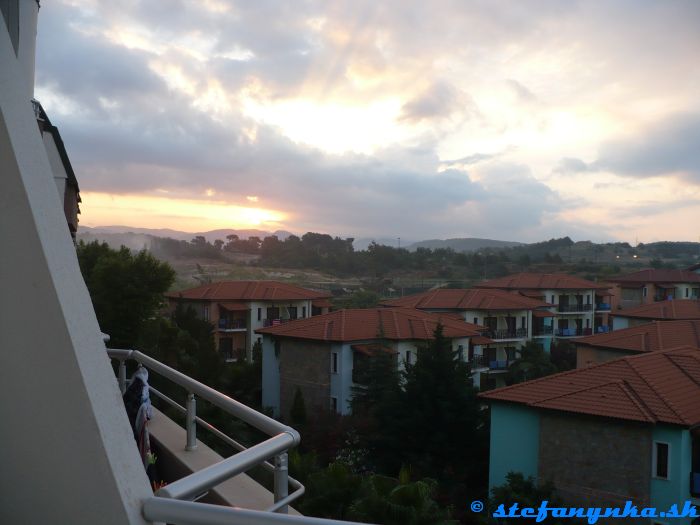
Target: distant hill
468,244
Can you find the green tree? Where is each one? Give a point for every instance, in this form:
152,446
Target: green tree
533,363
126,288
391,501
435,424
297,413
526,493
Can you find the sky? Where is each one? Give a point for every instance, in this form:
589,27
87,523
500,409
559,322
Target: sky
502,119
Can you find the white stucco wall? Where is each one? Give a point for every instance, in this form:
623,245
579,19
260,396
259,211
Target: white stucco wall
68,454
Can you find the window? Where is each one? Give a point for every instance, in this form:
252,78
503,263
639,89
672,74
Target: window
687,290
259,314
644,291
408,357
206,313
334,404
523,322
476,320
303,312
460,352
334,362
660,460
292,312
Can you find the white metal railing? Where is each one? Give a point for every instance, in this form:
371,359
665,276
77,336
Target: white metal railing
174,502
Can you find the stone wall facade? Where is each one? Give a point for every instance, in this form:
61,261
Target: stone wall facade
595,461
304,365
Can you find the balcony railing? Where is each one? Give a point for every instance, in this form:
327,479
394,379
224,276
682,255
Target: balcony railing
173,503
573,332
506,333
232,324
275,322
574,307
543,330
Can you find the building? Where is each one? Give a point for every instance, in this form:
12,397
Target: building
580,306
648,286
510,320
319,355
625,430
238,308
649,337
674,310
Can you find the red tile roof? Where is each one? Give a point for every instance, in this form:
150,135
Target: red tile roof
659,276
541,281
677,309
650,337
471,299
371,349
248,291
372,323
660,387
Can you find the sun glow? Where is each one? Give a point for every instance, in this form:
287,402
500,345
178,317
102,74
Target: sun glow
102,209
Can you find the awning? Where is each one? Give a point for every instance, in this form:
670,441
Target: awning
542,313
603,293
235,306
532,293
371,349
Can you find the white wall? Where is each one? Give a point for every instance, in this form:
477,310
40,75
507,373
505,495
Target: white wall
67,453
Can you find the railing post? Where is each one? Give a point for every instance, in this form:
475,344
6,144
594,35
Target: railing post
122,376
191,423
281,480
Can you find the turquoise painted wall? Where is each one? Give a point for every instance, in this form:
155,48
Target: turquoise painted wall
515,440
270,376
676,489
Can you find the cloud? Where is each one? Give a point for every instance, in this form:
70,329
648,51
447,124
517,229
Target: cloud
669,147
440,100
151,98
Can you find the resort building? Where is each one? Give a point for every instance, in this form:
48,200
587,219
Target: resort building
238,308
625,430
321,356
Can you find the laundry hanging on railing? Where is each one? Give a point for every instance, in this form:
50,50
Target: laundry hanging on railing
138,407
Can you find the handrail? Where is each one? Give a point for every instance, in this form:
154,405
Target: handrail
179,512
254,418
282,438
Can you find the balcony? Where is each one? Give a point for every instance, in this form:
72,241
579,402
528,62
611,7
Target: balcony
573,332
275,322
230,325
483,361
574,308
540,331
176,502
505,333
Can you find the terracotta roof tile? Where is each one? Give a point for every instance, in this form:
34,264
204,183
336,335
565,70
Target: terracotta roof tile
467,299
677,309
650,337
656,387
541,281
248,291
660,276
368,324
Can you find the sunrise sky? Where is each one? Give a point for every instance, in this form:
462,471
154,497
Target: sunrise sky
503,119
